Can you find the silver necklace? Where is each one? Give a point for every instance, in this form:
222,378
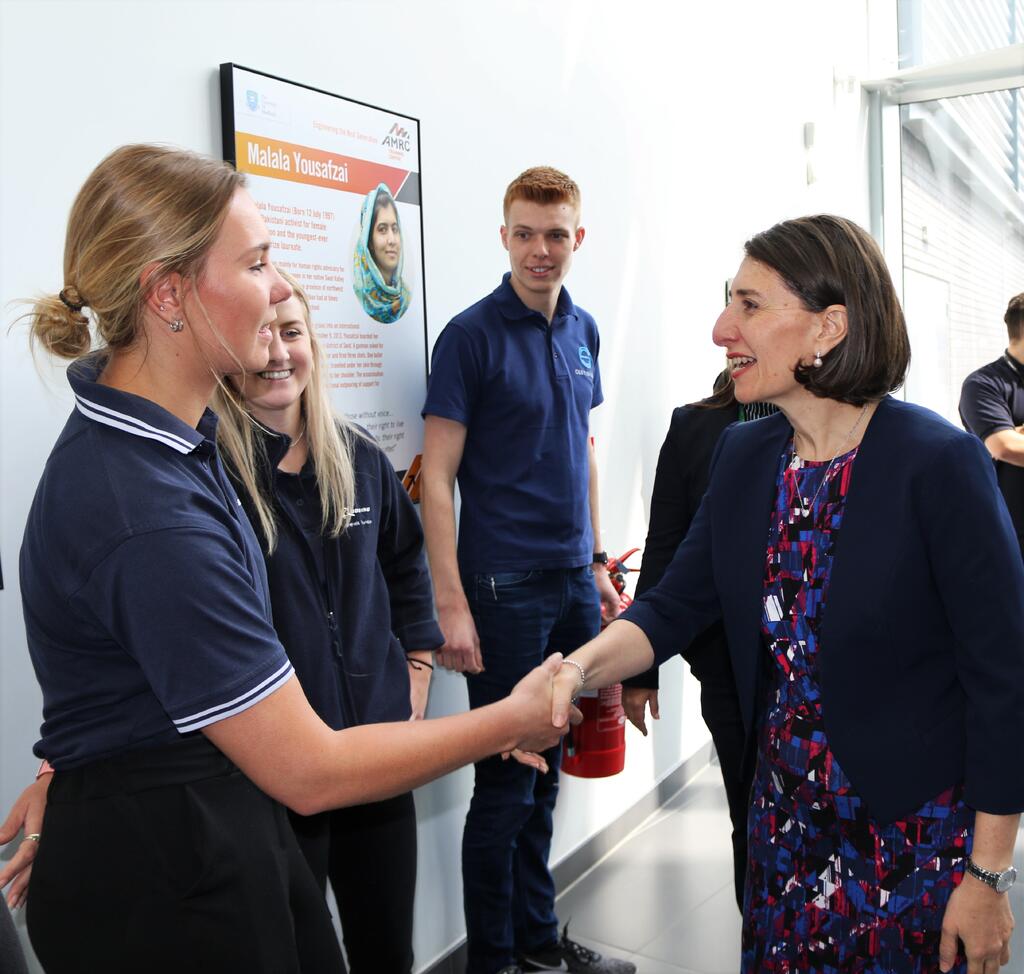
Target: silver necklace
808,505
298,439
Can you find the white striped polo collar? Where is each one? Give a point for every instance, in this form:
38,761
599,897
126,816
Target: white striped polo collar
131,413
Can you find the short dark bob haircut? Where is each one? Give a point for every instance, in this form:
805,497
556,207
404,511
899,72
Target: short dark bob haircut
827,260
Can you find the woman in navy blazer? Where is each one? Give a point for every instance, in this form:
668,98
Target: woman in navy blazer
887,729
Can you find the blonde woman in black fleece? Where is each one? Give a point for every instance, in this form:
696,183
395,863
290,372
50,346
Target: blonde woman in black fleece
352,604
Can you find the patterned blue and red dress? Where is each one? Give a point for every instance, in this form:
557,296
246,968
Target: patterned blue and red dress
828,888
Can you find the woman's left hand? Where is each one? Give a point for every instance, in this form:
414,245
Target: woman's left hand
420,671
983,920
26,816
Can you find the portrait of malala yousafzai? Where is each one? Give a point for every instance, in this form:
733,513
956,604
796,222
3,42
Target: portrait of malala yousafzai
379,258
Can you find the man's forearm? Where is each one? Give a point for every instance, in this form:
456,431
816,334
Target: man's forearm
1007,446
595,499
438,506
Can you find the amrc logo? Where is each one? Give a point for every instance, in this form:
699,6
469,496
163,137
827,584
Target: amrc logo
586,359
397,138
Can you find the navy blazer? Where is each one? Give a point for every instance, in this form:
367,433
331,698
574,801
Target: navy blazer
922,642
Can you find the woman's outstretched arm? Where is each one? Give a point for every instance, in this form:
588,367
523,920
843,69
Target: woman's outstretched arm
288,752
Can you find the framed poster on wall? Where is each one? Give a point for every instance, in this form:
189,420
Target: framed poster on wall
338,184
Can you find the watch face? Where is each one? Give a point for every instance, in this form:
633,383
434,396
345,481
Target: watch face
1006,879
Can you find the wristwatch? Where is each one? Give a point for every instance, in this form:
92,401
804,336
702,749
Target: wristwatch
600,558
1000,882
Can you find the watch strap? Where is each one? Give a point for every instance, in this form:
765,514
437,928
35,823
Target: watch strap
600,558
999,881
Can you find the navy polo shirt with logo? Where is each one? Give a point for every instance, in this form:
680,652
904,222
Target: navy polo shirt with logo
992,400
524,391
145,594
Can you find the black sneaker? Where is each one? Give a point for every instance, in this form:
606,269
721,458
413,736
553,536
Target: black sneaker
567,955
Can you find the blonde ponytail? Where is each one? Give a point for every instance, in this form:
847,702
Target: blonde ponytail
56,322
143,205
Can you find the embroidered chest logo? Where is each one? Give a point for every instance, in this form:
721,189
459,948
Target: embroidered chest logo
587,361
358,517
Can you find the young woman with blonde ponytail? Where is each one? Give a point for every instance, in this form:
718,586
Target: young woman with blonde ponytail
172,713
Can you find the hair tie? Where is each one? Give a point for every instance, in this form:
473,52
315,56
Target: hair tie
68,303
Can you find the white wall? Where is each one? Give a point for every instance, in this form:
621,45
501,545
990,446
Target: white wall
682,123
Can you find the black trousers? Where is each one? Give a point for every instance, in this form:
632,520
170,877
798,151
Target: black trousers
708,656
721,713
168,860
369,854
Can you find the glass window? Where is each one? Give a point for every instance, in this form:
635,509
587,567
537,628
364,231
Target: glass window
963,236
932,31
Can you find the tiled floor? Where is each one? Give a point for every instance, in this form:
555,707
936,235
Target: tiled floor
664,897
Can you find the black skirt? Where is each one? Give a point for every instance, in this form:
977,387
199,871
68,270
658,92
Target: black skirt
170,859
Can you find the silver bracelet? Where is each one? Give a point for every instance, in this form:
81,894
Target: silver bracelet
583,674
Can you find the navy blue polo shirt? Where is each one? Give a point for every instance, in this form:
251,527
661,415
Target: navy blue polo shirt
145,595
992,400
524,391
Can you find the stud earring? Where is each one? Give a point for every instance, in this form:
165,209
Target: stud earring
178,325
817,359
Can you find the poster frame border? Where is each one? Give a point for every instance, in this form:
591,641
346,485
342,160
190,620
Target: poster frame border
227,133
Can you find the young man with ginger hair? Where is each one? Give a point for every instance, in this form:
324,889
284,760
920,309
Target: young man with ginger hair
513,380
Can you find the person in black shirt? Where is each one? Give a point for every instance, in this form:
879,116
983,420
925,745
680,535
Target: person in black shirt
679,484
992,408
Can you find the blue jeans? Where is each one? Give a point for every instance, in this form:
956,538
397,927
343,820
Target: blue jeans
521,618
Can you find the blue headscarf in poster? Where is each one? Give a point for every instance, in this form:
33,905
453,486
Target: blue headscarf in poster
384,301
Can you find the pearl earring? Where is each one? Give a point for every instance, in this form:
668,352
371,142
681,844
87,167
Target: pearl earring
177,325
817,359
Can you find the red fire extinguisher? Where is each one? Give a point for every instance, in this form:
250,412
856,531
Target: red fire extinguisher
596,748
